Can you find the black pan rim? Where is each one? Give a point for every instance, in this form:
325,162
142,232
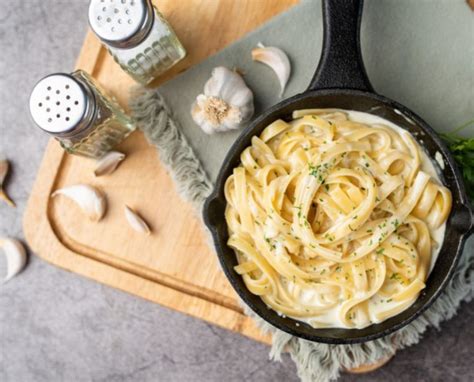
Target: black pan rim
254,129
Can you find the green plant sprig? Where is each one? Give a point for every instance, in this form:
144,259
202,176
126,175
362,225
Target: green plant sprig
463,153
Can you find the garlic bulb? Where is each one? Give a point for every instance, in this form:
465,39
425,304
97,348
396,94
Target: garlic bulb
15,254
89,199
277,60
227,102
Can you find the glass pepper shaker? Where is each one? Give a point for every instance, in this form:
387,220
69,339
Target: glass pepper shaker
137,36
75,110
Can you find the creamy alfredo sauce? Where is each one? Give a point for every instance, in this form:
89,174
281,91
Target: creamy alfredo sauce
331,318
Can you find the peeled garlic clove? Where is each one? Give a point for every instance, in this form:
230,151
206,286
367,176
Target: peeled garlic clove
4,167
88,198
15,254
136,221
108,163
227,102
277,60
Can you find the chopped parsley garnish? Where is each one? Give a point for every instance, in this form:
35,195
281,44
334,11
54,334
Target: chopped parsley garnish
329,237
395,276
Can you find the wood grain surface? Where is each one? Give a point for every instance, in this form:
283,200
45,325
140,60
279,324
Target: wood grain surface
175,266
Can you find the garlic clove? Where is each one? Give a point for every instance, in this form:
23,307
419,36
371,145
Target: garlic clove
92,202
136,221
277,60
227,102
4,167
15,254
108,163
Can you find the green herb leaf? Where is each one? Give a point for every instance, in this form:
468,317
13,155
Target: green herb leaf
463,153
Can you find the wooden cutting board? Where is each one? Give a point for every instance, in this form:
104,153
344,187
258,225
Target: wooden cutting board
175,266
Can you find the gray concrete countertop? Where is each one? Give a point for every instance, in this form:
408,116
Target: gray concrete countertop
57,326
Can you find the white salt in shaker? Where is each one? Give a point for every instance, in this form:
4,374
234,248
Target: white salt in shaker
137,36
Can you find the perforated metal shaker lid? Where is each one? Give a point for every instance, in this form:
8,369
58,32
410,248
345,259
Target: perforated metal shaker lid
61,105
121,23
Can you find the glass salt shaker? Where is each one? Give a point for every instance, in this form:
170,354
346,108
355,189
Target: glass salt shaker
75,110
137,36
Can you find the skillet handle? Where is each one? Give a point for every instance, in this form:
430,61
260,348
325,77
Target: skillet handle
341,65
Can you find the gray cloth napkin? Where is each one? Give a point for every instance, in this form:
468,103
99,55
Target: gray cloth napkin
420,53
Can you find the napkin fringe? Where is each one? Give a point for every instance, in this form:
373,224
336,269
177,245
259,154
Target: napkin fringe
315,362
155,119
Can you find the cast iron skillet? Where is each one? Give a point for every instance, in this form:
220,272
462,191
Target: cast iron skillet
341,82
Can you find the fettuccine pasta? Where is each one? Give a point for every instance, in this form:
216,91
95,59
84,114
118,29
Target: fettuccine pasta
335,217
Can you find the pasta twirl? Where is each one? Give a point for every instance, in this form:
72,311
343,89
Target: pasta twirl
335,217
